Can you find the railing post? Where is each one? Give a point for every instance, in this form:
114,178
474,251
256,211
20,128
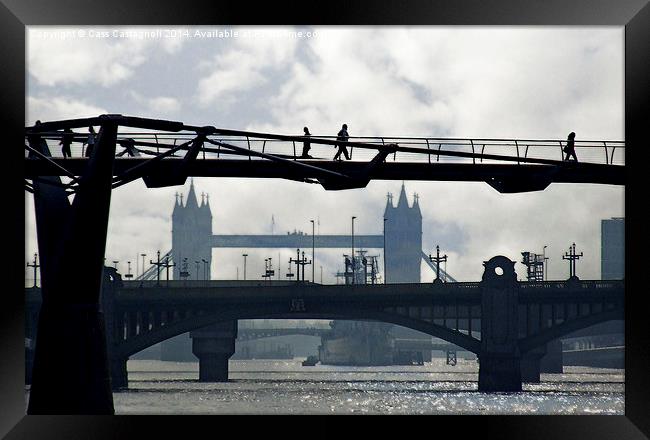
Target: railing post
428,150
248,141
561,151
517,147
473,158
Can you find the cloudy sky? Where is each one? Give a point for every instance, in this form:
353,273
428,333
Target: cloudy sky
490,82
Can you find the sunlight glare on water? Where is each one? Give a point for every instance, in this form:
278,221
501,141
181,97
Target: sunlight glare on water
286,387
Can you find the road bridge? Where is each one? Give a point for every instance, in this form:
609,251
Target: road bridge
250,334
500,319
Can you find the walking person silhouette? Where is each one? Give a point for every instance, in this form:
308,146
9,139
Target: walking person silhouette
306,146
90,141
66,140
570,148
342,136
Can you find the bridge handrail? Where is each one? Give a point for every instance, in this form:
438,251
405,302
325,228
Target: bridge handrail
249,139
590,284
271,137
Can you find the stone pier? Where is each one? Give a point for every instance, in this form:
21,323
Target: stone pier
553,361
214,345
119,375
500,363
531,364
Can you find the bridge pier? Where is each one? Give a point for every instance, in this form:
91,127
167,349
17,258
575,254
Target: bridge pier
499,373
70,368
214,345
119,374
499,359
29,365
553,361
531,364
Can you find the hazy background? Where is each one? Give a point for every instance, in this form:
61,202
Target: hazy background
505,82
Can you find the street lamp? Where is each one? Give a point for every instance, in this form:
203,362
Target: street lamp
143,255
313,255
35,266
205,269
244,255
129,274
115,263
353,273
545,265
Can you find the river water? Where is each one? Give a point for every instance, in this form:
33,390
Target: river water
286,387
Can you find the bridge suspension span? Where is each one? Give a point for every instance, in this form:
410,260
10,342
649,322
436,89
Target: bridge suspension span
165,153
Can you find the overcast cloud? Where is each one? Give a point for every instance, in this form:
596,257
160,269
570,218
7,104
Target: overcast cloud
538,82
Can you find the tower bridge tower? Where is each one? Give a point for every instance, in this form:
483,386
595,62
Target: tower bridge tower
192,235
403,251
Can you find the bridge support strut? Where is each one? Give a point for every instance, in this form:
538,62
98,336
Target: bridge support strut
119,375
531,365
214,345
500,363
70,371
552,362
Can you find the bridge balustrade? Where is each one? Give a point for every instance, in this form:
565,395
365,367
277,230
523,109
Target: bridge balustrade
425,149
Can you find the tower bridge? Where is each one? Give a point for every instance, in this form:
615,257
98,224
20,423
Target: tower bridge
193,240
71,327
401,242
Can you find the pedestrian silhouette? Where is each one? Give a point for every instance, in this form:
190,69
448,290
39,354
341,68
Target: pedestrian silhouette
306,146
35,139
90,141
570,148
66,140
342,136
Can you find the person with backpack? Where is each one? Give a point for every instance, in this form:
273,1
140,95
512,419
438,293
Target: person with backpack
342,137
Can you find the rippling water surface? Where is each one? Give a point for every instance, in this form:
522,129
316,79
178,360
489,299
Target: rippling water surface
286,387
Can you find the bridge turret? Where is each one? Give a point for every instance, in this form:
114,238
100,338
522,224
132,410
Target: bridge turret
191,202
403,251
192,236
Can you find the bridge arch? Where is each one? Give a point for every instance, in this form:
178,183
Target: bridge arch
124,349
559,330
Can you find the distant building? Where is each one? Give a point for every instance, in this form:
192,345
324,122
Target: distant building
403,251
191,234
612,249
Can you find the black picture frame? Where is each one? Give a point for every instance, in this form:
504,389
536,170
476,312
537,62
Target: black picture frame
633,14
